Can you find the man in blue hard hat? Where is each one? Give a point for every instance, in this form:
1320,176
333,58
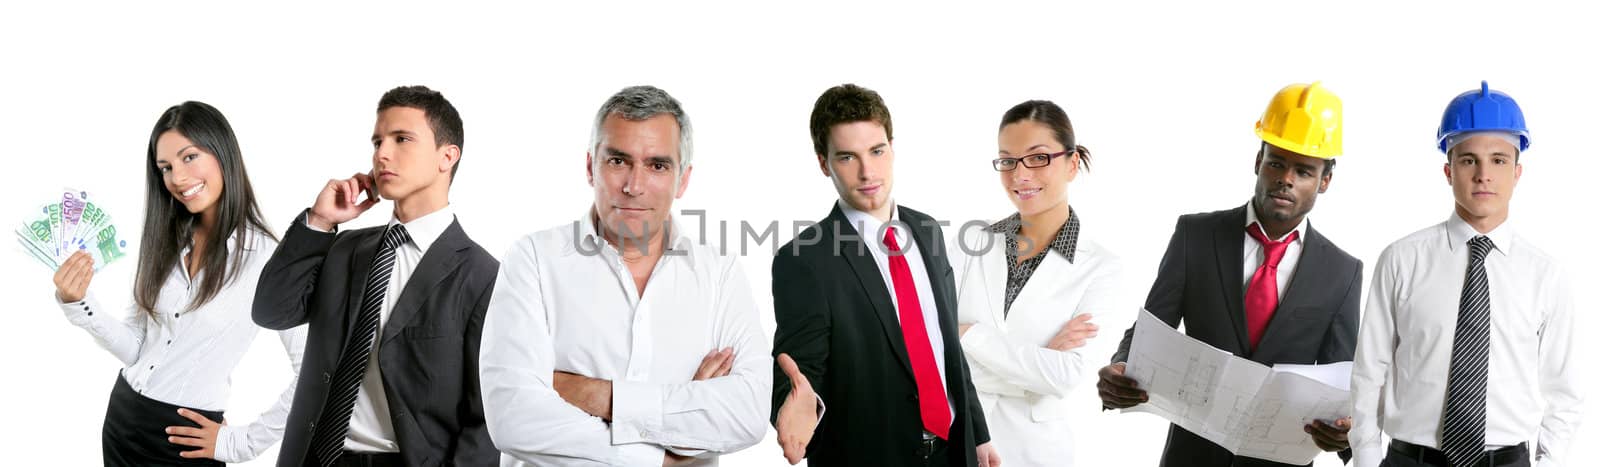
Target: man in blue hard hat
1466,350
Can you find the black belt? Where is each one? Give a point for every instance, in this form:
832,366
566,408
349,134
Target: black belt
1504,456
930,444
369,459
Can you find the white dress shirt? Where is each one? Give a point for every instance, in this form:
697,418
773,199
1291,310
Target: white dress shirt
564,301
371,428
1254,253
872,232
1402,362
186,357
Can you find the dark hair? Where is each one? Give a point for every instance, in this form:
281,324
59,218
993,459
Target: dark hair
847,103
168,227
443,119
1050,115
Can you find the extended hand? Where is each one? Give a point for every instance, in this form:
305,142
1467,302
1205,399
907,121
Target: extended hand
797,418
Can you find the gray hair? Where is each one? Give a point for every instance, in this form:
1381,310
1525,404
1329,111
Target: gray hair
636,103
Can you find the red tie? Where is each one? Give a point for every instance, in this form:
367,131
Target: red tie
930,387
1261,299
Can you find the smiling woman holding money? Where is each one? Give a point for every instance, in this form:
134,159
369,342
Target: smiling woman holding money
203,249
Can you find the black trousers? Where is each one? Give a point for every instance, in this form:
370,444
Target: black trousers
1403,454
135,430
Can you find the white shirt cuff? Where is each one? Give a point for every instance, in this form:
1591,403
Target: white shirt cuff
635,412
306,219
641,454
233,445
80,313
1367,456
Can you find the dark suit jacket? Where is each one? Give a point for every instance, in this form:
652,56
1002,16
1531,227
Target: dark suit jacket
428,354
1201,283
837,320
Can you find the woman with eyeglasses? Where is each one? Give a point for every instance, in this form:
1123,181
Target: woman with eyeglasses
1028,294
203,248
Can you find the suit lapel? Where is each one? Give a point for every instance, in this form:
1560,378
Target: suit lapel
1228,237
931,247
872,282
1302,288
361,264
440,261
995,272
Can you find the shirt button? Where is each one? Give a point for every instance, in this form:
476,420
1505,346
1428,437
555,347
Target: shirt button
169,341
86,307
175,315
91,313
152,367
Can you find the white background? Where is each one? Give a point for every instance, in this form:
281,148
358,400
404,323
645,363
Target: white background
1163,94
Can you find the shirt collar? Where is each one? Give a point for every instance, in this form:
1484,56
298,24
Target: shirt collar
869,227
1250,218
1458,232
1065,241
426,229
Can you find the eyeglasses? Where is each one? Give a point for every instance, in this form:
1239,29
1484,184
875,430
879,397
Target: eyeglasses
1032,161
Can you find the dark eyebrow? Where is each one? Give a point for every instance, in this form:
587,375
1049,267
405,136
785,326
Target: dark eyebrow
376,137
853,153
659,160
1307,167
159,161
614,152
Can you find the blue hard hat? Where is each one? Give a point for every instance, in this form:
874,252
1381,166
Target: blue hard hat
1483,110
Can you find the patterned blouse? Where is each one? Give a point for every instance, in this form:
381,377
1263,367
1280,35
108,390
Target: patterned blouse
1065,243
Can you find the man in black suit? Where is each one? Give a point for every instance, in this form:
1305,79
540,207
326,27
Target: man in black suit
390,375
867,329
1223,271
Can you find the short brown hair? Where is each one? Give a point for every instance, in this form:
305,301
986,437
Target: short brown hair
847,103
443,119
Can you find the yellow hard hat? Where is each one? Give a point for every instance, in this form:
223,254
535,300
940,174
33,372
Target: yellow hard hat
1306,119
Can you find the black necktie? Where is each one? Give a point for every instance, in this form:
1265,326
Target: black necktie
1469,365
328,442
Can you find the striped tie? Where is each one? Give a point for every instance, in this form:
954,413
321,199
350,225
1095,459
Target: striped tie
328,442
1469,365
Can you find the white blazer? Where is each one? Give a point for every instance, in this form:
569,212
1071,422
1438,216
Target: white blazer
1022,384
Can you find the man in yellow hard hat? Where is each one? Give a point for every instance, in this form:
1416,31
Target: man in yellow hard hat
1224,273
